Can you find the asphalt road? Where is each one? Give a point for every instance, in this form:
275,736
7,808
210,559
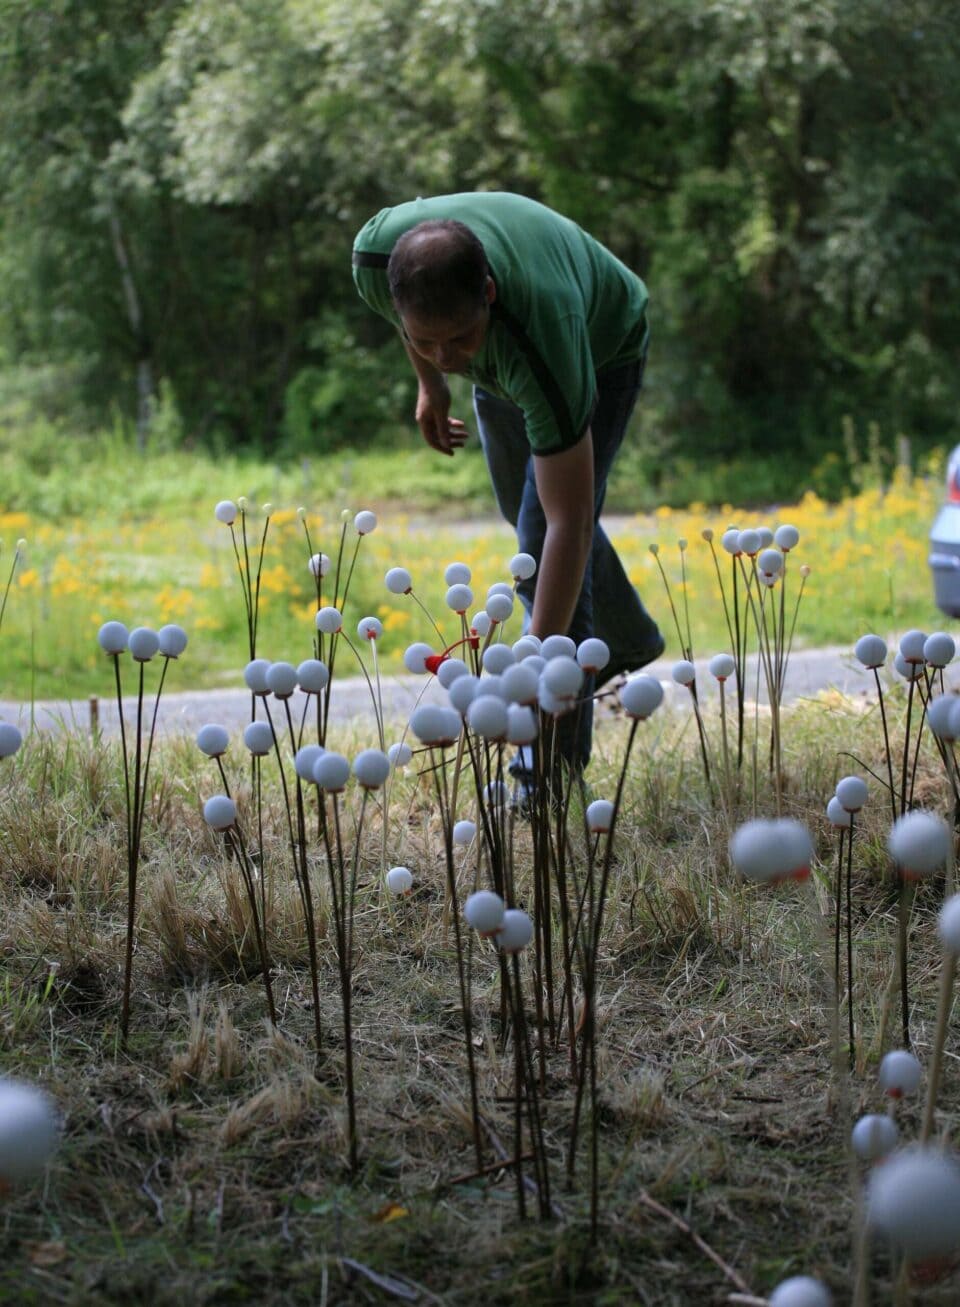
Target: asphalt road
809,672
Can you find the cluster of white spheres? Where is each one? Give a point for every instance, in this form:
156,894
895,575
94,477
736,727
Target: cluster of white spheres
919,843
769,850
29,1130
511,928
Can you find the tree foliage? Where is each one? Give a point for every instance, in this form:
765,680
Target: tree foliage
182,182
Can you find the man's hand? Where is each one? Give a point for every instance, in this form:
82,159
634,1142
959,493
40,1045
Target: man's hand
565,487
441,432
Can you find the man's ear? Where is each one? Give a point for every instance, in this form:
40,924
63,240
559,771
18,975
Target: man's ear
490,290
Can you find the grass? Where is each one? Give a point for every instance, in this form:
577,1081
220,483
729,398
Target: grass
208,1163
151,559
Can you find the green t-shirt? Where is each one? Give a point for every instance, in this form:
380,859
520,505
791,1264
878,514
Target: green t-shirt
565,306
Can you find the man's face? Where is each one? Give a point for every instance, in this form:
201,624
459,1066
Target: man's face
449,343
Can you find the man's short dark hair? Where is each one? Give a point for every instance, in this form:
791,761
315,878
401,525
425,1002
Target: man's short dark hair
436,269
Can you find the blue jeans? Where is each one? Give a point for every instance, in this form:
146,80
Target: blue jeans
608,605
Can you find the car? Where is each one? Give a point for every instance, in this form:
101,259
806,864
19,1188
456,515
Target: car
944,557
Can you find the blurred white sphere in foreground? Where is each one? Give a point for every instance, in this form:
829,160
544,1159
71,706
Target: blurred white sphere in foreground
943,717
899,1073
800,1291
770,562
766,850
399,754
913,1200
220,812
29,1130
919,843
10,740
948,924
500,588
749,541
731,540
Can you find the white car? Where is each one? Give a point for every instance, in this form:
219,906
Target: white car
945,543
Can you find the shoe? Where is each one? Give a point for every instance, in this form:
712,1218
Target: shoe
629,663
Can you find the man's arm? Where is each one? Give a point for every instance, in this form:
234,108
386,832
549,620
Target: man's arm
441,432
565,486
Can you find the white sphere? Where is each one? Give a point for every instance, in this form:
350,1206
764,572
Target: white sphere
213,739
365,522
113,637
911,646
948,924
484,911
722,666
641,695
172,640
313,676
526,645
29,1130
939,649
871,650
255,675
730,540
516,931
464,833
910,671
480,624
398,581
329,620
226,512
766,850
499,607
558,646
220,812
941,717
919,843
521,724
10,740
434,725
487,716
600,816
143,643
786,537
536,663
766,536
459,598
563,677
281,678
399,754
874,1136
852,793
522,566
415,657
369,628
495,794
683,672
500,588
319,564
463,692
913,1200
800,1291
450,670
749,541
837,814
371,768
399,880
899,1073
493,685
457,574
770,561
593,654
331,772
497,658
552,704
519,683
258,737
305,760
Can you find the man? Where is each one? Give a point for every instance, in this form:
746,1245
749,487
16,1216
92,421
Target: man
551,328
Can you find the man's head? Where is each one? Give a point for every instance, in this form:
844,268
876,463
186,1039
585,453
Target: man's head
442,289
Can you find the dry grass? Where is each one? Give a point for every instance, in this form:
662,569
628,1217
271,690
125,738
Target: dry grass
207,1164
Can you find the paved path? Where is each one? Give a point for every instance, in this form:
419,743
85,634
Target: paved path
809,672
